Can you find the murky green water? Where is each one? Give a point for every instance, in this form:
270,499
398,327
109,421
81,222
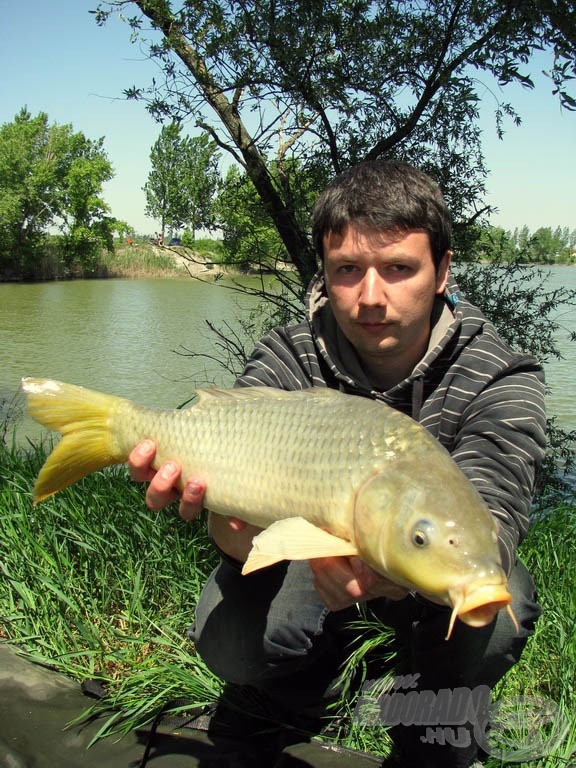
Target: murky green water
122,336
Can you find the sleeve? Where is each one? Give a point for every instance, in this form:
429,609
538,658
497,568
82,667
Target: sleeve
285,359
500,447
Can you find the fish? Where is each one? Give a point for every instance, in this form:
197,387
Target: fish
323,473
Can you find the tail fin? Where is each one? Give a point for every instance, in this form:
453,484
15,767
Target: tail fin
83,417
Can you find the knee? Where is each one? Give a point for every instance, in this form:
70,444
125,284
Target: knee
244,654
248,629
224,658
226,641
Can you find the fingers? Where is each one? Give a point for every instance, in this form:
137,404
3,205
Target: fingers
343,581
336,582
374,584
163,484
140,461
236,524
192,499
162,488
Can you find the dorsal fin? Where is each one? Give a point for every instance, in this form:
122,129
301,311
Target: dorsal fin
207,394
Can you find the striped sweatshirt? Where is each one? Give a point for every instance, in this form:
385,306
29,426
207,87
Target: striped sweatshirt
483,401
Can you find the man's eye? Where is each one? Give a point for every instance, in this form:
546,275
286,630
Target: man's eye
347,269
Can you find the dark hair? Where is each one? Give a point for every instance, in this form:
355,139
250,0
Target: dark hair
384,196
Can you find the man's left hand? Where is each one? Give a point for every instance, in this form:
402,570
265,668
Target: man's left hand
343,581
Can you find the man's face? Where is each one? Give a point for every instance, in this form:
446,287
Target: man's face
381,287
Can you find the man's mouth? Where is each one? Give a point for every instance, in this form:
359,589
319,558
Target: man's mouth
373,326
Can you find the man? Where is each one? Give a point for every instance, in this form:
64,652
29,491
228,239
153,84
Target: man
384,321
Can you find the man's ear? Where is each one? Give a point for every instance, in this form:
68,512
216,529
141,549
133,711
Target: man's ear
443,272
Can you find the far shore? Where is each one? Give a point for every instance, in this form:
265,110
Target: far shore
145,259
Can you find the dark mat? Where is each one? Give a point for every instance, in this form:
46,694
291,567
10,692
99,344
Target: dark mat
37,705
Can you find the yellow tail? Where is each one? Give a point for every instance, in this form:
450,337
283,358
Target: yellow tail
83,417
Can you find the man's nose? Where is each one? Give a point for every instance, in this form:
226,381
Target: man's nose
373,291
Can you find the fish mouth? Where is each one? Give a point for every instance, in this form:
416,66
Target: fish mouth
479,606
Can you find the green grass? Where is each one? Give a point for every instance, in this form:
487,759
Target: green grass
96,585
145,260
138,260
547,667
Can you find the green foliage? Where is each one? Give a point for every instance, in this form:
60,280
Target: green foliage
188,238
329,83
249,237
50,177
182,181
211,250
551,246
544,246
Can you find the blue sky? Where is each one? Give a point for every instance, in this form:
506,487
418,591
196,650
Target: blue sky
54,58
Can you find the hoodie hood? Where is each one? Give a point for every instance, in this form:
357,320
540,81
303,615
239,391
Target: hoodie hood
446,340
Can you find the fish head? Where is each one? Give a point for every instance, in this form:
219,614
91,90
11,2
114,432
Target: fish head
428,529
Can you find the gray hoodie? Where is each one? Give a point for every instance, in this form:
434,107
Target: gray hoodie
480,399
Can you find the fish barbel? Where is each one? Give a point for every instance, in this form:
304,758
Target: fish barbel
324,474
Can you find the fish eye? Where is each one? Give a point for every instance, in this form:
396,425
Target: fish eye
421,533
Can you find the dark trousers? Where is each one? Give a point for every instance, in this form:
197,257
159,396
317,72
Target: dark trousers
270,630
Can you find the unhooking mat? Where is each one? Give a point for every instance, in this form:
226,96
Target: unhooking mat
37,705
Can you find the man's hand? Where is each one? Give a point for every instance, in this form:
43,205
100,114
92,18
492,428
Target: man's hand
164,486
343,581
232,535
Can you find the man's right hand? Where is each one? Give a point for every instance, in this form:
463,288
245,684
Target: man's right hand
232,535
164,483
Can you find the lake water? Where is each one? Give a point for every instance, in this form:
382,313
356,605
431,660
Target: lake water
123,336
127,337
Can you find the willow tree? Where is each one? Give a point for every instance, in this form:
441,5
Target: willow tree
309,87
330,82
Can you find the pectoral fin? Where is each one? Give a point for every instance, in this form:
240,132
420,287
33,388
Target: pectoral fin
294,539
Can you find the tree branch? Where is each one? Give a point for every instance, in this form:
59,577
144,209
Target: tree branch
295,241
435,81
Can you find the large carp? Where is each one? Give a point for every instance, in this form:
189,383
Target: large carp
324,473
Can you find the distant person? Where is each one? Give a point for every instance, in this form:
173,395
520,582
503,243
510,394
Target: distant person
384,320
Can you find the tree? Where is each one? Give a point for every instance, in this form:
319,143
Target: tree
248,235
327,83
330,82
50,177
182,181
545,246
250,239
